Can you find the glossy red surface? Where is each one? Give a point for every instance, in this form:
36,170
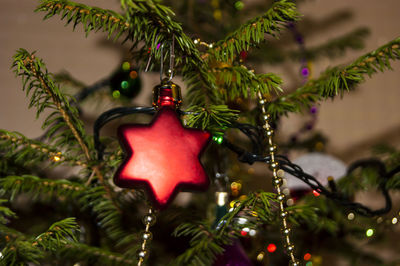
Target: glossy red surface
163,156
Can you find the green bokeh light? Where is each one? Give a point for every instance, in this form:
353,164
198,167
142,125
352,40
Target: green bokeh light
124,84
218,139
126,66
116,94
309,263
239,5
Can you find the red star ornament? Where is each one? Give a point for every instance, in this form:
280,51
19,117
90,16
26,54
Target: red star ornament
163,157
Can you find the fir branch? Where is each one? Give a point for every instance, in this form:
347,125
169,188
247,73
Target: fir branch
46,94
5,212
96,256
145,20
40,188
390,154
314,215
204,245
214,118
17,249
241,82
92,18
25,249
201,86
26,151
58,234
153,23
94,199
335,47
107,215
272,53
336,81
257,204
252,32
207,242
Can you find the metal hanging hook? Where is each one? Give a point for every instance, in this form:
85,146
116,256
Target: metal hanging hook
148,64
162,62
171,60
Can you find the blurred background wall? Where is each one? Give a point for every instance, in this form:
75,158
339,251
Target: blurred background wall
353,124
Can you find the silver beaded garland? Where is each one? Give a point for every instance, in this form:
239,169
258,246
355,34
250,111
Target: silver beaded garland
149,220
147,236
277,182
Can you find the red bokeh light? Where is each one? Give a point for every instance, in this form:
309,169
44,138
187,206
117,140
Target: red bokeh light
316,193
271,248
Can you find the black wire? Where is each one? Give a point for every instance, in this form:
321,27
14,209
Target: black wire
85,92
296,171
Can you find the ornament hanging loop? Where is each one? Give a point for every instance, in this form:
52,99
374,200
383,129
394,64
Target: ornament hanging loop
171,60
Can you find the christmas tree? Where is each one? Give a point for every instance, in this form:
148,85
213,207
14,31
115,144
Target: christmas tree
73,197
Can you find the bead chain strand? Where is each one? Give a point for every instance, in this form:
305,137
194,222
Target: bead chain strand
277,182
148,220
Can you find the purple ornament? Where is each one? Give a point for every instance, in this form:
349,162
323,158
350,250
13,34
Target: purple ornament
313,110
158,46
299,39
305,72
233,255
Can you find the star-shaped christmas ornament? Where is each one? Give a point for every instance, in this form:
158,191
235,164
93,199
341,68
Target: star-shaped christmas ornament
163,156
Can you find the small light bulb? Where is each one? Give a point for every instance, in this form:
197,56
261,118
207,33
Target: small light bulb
290,202
369,232
56,157
316,193
242,220
222,198
260,256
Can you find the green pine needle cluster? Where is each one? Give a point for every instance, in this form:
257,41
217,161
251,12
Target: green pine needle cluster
252,32
21,249
92,18
337,80
63,125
